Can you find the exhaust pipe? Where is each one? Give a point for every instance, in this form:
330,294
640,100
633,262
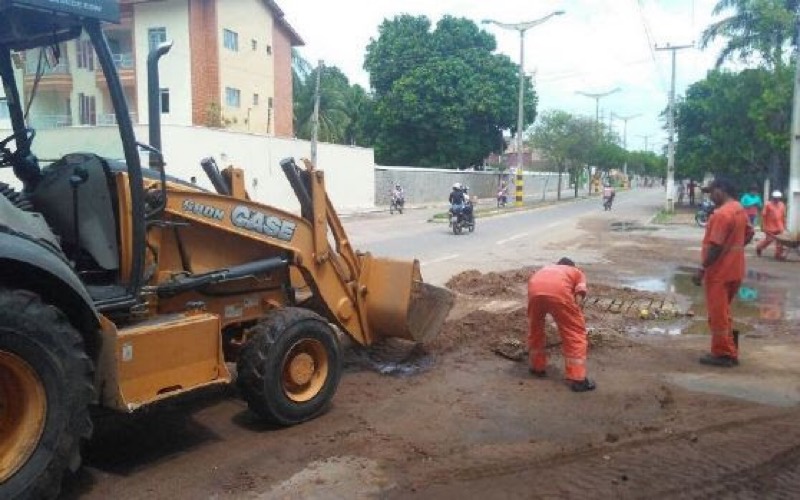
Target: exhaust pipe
154,100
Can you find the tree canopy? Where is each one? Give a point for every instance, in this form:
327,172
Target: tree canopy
442,97
735,123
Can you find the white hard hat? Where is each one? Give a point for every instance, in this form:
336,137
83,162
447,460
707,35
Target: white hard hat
777,194
457,185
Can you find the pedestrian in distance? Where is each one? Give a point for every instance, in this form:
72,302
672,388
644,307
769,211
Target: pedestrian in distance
681,192
690,188
723,267
752,203
560,291
773,223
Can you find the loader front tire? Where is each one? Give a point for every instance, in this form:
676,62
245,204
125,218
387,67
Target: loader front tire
45,392
289,369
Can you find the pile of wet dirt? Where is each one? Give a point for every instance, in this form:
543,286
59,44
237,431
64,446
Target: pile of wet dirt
475,283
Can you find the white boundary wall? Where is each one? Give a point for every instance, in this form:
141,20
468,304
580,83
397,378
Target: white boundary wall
426,185
349,171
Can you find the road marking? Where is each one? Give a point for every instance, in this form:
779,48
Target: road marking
515,237
441,259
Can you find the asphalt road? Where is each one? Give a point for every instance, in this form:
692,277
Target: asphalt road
499,242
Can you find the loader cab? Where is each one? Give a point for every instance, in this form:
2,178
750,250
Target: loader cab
68,140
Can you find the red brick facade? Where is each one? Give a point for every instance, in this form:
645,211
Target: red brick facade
283,112
205,62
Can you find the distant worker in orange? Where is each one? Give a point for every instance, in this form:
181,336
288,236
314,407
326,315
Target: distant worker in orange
773,223
727,232
559,290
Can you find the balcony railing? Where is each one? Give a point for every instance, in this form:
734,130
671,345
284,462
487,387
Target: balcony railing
32,64
111,118
124,60
50,121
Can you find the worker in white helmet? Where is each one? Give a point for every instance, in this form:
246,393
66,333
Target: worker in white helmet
773,223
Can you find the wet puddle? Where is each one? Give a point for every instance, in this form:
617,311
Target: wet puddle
391,357
762,299
627,226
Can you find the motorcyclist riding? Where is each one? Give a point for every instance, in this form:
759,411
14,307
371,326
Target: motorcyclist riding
502,195
457,195
398,198
608,196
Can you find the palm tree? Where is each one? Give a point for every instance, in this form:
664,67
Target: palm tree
333,117
761,28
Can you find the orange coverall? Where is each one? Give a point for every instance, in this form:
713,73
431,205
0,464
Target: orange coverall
773,224
727,228
551,290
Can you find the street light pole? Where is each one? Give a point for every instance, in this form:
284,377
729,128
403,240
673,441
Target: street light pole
521,28
597,97
625,135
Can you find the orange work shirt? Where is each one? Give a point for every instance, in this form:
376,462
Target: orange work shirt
774,217
557,281
727,228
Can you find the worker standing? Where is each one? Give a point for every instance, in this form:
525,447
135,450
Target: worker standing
773,223
723,267
559,290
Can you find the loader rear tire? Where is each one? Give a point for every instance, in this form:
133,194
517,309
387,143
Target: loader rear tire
45,392
289,369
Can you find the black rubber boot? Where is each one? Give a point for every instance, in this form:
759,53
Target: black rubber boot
583,385
721,361
536,373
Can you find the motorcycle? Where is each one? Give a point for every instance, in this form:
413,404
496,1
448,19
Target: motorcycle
704,211
461,217
502,199
607,202
396,204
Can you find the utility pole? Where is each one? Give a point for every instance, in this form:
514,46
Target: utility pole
670,203
793,196
521,28
315,116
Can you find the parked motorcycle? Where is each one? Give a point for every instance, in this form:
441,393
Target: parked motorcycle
396,204
704,211
462,217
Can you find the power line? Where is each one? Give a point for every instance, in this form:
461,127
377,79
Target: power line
650,43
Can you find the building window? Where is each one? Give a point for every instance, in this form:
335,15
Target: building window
255,99
164,101
85,54
232,97
230,39
269,49
87,110
155,37
254,44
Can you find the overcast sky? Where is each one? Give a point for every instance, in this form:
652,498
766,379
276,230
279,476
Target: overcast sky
596,46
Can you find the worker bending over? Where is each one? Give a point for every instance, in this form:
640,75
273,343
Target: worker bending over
559,290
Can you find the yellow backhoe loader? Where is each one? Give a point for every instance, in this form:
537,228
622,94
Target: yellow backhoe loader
121,286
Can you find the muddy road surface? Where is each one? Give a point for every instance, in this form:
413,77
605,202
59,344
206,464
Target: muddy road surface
462,418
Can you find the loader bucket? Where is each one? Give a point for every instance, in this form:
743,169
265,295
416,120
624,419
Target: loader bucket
400,304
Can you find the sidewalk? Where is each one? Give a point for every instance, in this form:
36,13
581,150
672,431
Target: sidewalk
483,207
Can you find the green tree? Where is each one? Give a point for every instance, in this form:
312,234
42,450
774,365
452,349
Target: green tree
755,28
567,141
736,124
442,97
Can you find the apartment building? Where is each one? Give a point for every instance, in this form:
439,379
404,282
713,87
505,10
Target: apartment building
230,67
